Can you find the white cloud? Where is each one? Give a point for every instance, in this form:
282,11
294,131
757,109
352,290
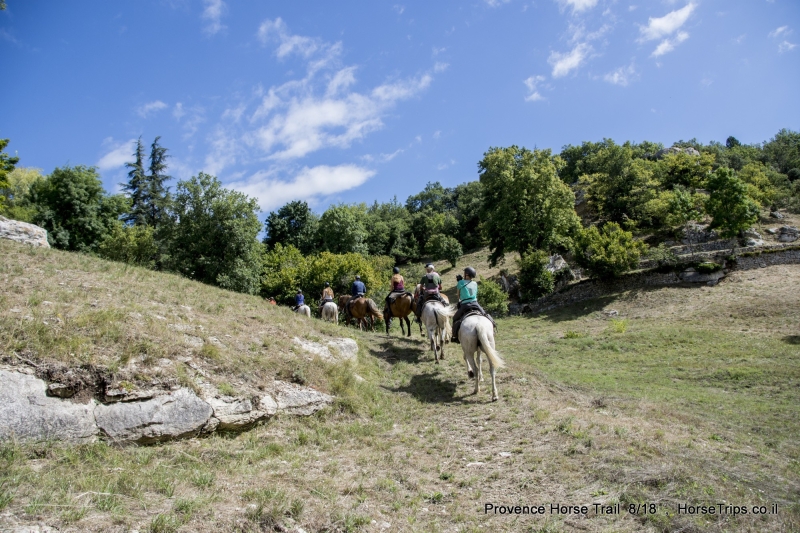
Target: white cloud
440,67
150,107
578,5
785,46
783,31
658,28
533,92
309,184
622,76
118,155
566,62
668,45
276,29
496,3
213,14
178,111
343,79
399,8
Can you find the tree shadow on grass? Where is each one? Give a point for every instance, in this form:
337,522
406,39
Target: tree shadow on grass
430,388
395,349
791,339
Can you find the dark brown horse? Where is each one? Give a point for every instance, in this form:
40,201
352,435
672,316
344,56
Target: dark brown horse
401,307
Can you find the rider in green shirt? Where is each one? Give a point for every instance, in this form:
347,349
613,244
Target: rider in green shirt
467,299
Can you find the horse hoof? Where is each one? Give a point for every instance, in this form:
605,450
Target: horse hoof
471,374
494,398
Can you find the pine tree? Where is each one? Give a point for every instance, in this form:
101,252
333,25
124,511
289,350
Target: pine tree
137,188
159,196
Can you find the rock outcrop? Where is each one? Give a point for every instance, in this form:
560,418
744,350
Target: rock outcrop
677,150
787,234
23,232
27,413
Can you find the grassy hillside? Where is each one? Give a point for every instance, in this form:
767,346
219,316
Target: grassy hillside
683,396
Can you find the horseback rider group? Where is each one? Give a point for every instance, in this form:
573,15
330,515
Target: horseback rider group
430,287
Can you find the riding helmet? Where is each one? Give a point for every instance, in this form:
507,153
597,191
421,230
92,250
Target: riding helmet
396,270
358,277
299,291
327,284
469,271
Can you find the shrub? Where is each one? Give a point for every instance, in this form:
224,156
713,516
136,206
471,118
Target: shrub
708,267
492,298
534,279
662,255
444,247
134,245
608,252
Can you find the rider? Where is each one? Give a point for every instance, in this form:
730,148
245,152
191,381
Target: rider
467,299
398,288
327,295
357,290
431,284
298,300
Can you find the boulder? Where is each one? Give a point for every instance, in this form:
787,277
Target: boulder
677,150
169,416
698,233
27,413
239,413
691,275
787,234
752,238
23,232
556,263
297,400
776,214
333,350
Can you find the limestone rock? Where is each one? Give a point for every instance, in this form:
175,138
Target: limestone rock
297,400
334,350
753,238
697,233
27,413
787,234
676,150
777,215
556,263
23,232
170,416
238,413
691,275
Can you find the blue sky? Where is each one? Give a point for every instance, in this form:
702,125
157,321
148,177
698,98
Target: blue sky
360,101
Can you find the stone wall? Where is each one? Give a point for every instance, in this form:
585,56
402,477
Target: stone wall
592,288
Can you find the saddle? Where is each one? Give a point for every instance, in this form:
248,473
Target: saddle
394,295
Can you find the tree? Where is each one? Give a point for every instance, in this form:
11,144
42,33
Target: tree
138,189
469,199
6,166
608,252
732,142
342,229
293,224
525,204
444,247
214,238
783,151
389,231
74,209
18,204
534,279
682,208
135,245
729,205
684,170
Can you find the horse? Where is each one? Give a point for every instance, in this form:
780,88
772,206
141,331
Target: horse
365,311
477,334
330,312
303,310
417,292
436,318
401,307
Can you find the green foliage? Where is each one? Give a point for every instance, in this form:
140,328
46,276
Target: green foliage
6,166
214,236
444,247
662,255
18,204
534,279
783,151
492,298
293,224
759,186
729,205
74,209
607,252
134,245
684,170
622,187
469,199
285,270
389,231
525,204
709,267
343,229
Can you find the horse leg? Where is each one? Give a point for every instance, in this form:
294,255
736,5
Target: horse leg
492,371
408,323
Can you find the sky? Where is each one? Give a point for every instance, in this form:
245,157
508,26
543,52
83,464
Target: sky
333,102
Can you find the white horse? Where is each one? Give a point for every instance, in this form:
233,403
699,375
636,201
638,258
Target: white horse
436,318
330,312
477,334
303,310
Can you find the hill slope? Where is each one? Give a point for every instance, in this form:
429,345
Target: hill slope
683,396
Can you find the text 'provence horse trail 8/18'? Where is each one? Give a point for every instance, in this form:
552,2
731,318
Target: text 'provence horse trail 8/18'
401,307
303,310
477,335
330,312
436,318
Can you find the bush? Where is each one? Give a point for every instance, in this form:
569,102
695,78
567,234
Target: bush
492,298
134,245
609,252
709,267
662,255
534,279
444,247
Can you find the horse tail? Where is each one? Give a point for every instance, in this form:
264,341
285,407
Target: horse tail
486,342
446,313
373,308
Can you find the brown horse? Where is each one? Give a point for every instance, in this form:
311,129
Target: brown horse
364,311
401,307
